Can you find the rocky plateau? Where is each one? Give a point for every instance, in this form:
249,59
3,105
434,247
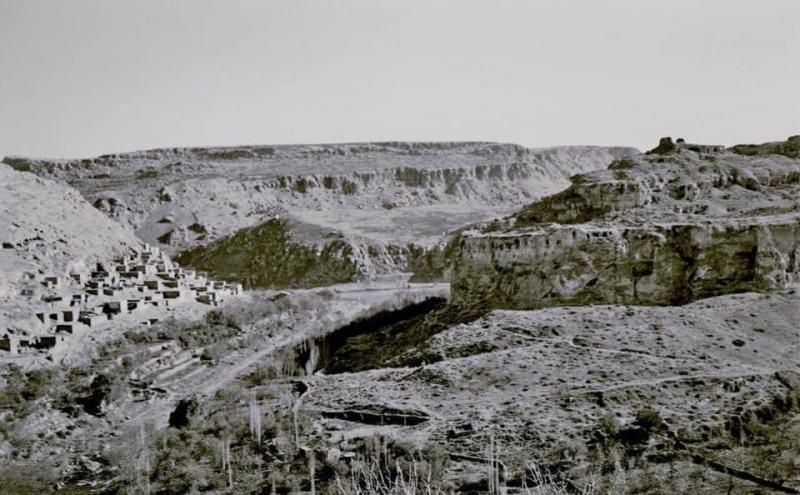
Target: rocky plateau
360,210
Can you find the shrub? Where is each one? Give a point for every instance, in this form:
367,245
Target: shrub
147,173
197,228
609,425
222,318
649,420
26,478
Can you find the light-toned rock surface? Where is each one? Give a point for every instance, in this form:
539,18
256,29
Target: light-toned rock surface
657,229
540,379
385,201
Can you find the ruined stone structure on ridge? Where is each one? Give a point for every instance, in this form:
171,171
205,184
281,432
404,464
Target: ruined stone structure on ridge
147,278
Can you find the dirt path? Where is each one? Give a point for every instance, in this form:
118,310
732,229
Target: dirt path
657,381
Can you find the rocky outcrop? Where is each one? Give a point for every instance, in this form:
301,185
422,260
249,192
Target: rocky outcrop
652,187
790,148
655,264
650,230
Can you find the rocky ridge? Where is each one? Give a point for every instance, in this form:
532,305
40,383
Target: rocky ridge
668,227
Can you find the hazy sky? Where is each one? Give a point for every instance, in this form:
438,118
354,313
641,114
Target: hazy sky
80,78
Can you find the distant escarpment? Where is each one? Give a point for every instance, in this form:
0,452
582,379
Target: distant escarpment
681,223
378,207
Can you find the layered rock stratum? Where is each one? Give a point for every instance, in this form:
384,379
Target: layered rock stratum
678,224
369,208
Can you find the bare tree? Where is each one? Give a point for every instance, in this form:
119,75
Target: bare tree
143,462
255,419
226,460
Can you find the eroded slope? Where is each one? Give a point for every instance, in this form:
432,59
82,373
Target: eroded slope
387,201
540,380
48,229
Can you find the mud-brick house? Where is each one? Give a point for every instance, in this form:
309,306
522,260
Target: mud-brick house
64,328
12,343
123,267
53,300
79,299
90,318
213,297
175,294
112,308
133,275
146,269
50,341
208,298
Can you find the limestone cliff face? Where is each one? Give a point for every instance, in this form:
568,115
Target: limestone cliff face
655,230
359,210
187,196
656,264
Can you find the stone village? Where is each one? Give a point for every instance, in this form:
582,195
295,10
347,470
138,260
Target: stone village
144,279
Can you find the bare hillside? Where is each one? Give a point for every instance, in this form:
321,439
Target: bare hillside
48,229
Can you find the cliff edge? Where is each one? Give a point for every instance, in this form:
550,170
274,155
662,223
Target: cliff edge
679,223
